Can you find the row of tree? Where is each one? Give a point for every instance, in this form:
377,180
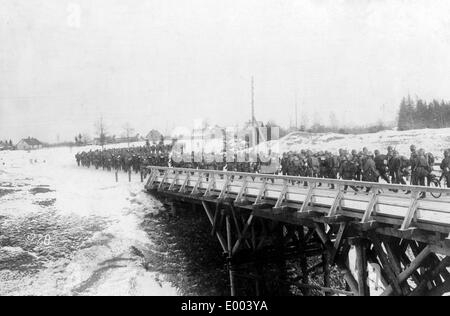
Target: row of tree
103,137
6,143
417,114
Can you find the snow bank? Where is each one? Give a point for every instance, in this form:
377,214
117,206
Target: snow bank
432,140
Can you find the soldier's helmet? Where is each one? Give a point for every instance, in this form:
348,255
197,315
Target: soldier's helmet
389,148
377,152
412,147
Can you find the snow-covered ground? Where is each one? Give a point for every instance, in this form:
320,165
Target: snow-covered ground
432,140
66,230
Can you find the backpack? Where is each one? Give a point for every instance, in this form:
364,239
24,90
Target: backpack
430,160
315,163
349,167
335,161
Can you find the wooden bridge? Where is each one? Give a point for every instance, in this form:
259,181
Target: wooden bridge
392,227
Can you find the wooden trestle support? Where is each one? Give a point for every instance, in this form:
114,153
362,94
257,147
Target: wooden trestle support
390,229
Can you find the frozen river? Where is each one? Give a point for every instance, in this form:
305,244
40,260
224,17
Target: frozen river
66,230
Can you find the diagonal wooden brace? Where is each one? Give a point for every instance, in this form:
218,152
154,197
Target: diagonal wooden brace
406,225
218,234
414,265
224,191
175,179
337,203
282,196
239,198
244,232
261,193
370,210
151,179
197,184
338,242
185,182
211,185
308,198
161,184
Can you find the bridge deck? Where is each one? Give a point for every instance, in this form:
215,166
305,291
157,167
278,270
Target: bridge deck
380,221
292,199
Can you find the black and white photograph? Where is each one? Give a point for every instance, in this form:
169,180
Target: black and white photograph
224,153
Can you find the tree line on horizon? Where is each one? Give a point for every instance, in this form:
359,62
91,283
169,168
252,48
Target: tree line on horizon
419,114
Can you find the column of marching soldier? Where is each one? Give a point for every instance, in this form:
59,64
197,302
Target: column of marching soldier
363,166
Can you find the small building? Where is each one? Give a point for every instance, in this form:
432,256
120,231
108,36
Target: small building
131,139
29,144
105,140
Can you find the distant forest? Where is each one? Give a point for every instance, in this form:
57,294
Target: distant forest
417,114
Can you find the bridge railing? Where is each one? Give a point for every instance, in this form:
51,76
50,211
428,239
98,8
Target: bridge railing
401,206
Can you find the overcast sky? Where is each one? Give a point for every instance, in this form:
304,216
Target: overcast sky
163,63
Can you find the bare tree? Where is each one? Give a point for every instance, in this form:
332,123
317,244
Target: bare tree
85,139
128,132
101,132
304,121
334,123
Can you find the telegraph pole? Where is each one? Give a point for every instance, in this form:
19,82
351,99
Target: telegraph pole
253,104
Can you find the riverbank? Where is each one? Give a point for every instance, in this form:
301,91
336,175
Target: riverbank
72,231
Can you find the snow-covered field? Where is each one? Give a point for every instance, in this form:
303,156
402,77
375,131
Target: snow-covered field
432,140
66,230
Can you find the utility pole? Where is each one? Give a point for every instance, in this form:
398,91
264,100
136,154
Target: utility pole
253,104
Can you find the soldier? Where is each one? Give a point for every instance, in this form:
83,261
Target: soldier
331,166
78,158
404,170
381,163
356,159
413,161
296,166
445,167
323,168
369,170
290,165
422,169
431,161
395,168
220,163
390,153
284,164
347,170
313,165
